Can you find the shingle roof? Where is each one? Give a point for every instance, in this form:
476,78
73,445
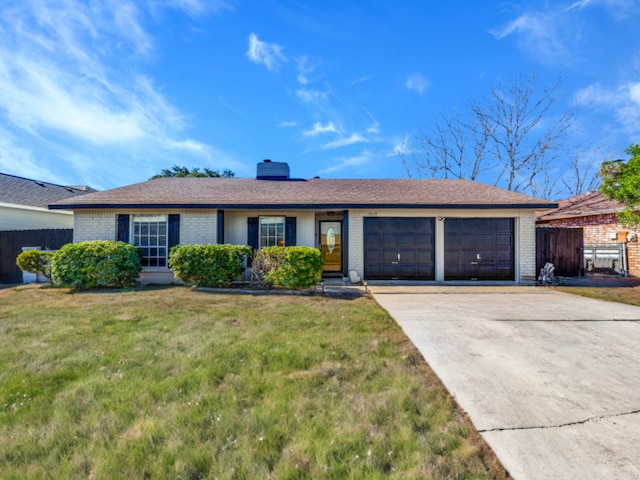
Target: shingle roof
314,193
34,193
591,203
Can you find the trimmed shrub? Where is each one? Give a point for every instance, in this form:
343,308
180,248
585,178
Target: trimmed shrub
209,265
98,263
289,267
36,262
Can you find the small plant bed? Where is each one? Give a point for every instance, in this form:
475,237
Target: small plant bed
176,383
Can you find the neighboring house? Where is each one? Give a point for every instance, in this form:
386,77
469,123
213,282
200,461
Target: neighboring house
597,217
26,221
24,202
436,230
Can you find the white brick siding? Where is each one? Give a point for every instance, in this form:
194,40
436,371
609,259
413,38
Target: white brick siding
526,246
94,225
198,227
356,242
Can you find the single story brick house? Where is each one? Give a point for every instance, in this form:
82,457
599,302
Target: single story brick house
597,217
381,229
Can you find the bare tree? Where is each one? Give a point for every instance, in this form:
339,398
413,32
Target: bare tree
450,148
583,176
510,139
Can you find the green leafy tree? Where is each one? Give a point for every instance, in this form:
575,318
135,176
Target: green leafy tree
621,182
180,171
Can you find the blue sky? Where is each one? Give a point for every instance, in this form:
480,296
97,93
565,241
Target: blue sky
108,93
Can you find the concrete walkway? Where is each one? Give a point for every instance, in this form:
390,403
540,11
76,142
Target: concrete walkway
550,380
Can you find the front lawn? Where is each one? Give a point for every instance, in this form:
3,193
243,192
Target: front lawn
628,295
174,383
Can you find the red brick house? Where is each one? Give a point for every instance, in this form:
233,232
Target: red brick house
597,217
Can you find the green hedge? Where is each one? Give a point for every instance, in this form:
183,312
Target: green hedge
99,263
289,267
36,262
208,265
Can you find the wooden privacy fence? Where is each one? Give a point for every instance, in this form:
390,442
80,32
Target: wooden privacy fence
563,247
12,242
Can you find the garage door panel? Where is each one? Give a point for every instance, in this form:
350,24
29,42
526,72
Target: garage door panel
504,257
503,240
408,256
372,240
407,271
480,248
410,237
388,271
388,240
389,256
425,256
386,224
372,256
486,241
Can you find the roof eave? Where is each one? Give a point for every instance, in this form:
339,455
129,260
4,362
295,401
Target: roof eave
304,206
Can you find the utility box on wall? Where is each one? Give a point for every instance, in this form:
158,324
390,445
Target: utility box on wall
622,237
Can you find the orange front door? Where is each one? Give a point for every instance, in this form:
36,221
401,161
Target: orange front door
331,246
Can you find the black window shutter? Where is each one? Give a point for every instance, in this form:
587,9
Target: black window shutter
220,222
122,235
173,237
345,243
290,232
252,233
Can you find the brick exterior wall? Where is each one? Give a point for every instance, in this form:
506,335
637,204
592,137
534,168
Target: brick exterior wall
526,245
94,225
356,242
198,227
603,230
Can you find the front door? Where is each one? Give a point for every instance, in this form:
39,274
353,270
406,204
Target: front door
331,246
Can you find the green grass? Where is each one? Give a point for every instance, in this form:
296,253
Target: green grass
175,383
628,295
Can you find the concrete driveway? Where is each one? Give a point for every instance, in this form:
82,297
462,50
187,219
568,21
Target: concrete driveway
550,380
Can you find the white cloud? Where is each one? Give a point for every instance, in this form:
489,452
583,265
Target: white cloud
67,102
344,141
269,54
362,79
195,8
621,7
304,69
319,129
417,82
310,96
624,101
345,162
288,124
539,34
401,146
374,128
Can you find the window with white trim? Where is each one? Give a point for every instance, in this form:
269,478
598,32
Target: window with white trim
271,231
149,233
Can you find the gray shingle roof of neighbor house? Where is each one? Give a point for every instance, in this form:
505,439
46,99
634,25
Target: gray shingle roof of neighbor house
591,203
34,193
313,193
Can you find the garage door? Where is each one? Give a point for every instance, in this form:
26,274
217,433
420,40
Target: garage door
478,249
399,248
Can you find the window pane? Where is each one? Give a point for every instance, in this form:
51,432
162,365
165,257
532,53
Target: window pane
150,234
271,231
